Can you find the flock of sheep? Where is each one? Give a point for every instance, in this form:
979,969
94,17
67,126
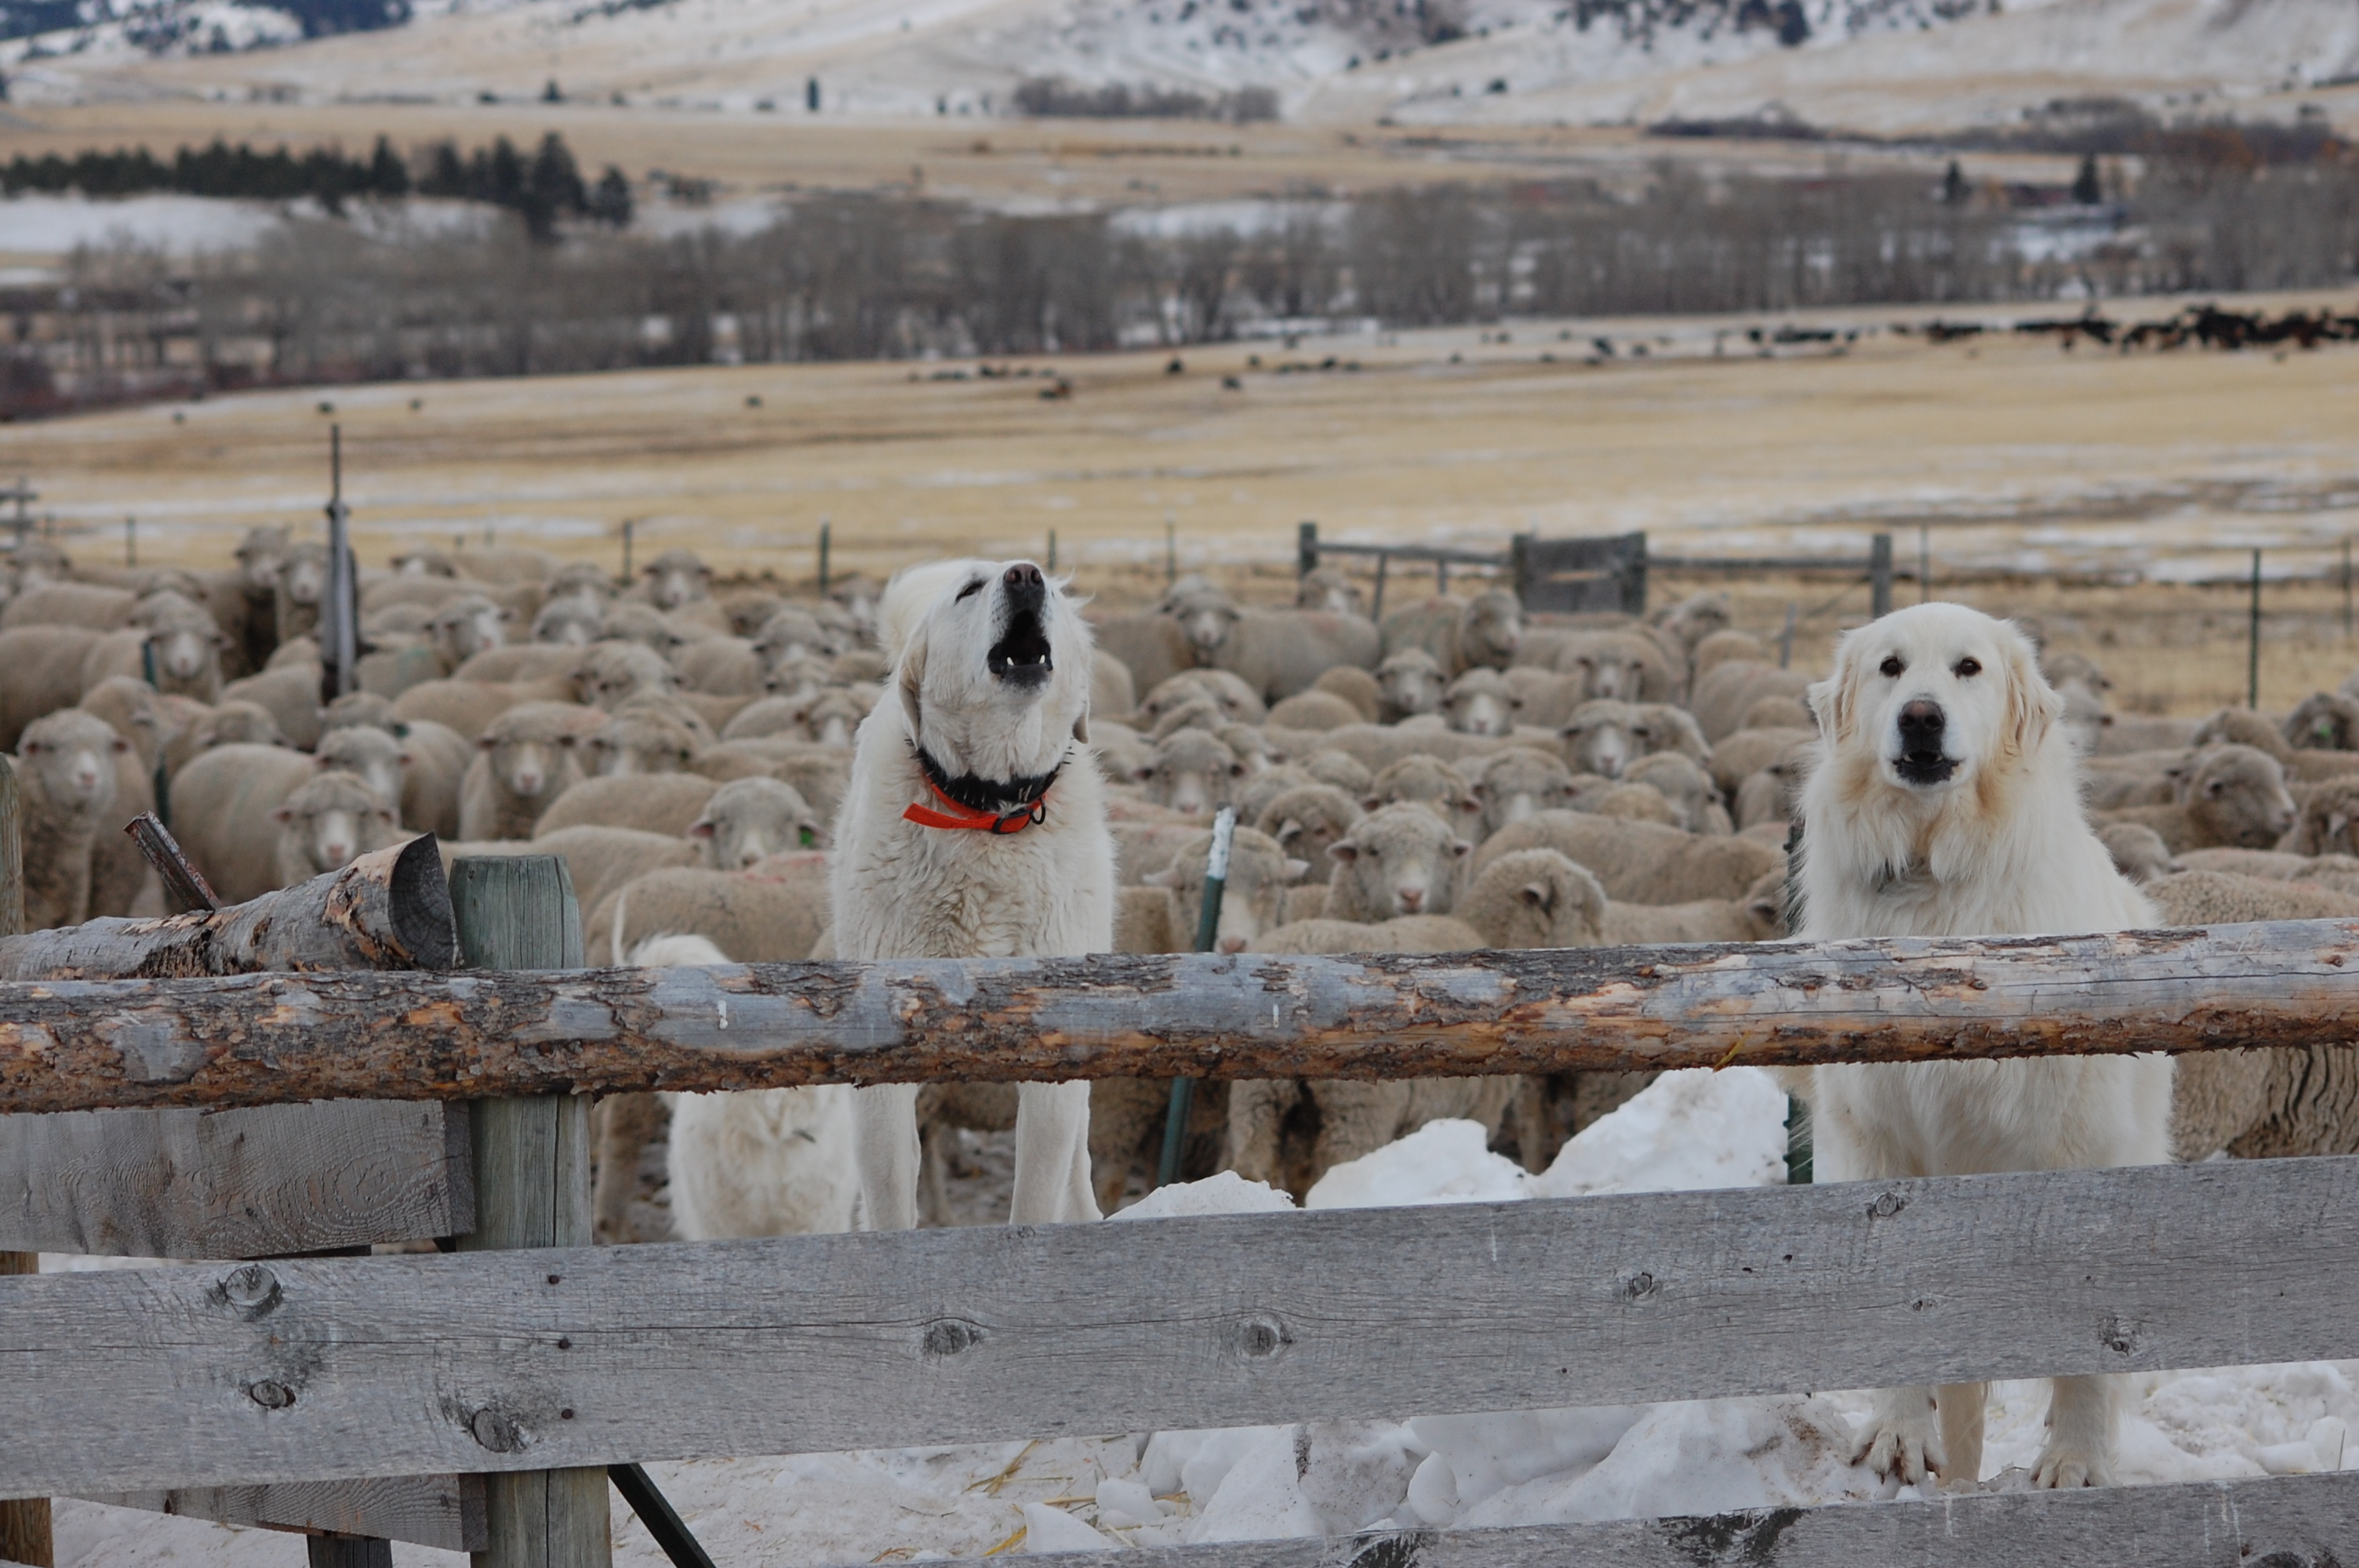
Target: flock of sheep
1460,776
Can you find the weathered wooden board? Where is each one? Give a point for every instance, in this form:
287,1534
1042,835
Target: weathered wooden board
390,909
2302,1522
257,1183
309,1370
267,1038
445,1511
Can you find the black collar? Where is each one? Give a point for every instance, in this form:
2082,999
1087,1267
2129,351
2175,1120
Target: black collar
993,796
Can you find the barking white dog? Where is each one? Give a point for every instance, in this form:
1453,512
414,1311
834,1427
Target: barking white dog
974,828
1944,803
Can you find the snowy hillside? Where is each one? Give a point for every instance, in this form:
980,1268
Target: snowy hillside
1861,64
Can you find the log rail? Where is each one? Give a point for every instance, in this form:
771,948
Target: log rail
245,1040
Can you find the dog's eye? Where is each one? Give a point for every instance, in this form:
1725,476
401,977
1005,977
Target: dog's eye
1968,666
971,590
1892,668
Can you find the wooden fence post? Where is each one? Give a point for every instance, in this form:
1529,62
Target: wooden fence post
1879,576
532,1189
24,1521
1306,548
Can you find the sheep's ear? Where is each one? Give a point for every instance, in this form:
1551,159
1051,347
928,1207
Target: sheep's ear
1460,849
1372,803
322,763
1475,790
2216,788
1143,773
1534,894
701,829
1343,850
485,743
1295,870
1236,770
1162,879
282,815
568,740
121,744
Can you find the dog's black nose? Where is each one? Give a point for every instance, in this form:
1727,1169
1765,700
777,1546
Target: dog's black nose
1026,587
1921,726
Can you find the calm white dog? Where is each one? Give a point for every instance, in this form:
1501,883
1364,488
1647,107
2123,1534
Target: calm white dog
752,1162
1944,803
974,827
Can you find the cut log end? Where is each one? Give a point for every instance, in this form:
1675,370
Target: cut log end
419,900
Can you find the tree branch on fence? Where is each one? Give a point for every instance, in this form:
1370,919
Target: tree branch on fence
270,1039
388,910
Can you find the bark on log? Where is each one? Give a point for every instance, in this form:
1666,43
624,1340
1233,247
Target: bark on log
388,910
266,1039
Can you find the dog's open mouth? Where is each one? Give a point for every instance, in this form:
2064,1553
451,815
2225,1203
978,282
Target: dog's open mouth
1022,654
1924,767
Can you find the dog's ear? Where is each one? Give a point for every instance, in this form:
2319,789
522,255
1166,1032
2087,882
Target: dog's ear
2032,706
1081,727
912,678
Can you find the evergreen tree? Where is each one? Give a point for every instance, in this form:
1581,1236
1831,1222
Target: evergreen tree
2087,189
610,202
388,177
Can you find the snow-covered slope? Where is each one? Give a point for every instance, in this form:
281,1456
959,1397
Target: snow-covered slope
1865,64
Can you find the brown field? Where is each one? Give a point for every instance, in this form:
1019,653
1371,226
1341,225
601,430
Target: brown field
2044,480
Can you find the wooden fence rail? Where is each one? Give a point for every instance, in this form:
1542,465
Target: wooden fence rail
303,1369
272,1038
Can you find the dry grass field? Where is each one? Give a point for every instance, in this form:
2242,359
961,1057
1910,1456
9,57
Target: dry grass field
2039,477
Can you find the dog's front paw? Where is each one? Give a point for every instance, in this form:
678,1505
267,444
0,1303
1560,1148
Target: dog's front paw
2064,1465
1901,1442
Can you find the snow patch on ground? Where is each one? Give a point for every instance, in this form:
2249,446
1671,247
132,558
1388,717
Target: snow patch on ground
1688,1130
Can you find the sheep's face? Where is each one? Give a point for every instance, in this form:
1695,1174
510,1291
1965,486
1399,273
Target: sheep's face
1253,900
1307,834
258,558
856,597
1610,672
793,635
303,575
240,724
528,766
1479,706
328,827
1555,904
2241,792
568,622
2083,718
1492,629
993,676
615,674
469,627
1698,616
74,755
1519,788
372,756
796,678
1405,861
1207,616
1330,591
1602,737
186,654
751,819
1930,699
675,578
832,717
628,746
1409,683
1192,773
